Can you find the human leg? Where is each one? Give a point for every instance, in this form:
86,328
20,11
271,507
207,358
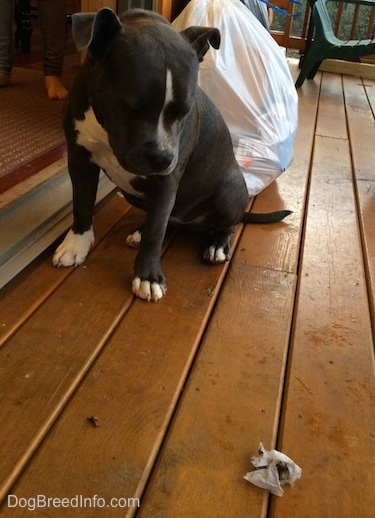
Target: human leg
52,14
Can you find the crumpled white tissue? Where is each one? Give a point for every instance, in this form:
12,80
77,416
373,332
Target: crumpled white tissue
273,470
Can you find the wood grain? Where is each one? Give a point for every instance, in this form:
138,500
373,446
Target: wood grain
230,403
135,385
328,416
275,346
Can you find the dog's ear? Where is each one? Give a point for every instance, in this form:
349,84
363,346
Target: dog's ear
94,31
81,29
201,38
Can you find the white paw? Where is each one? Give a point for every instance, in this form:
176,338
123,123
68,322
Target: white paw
74,249
215,255
134,239
148,290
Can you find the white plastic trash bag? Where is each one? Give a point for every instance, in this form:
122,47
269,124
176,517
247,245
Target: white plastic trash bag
249,81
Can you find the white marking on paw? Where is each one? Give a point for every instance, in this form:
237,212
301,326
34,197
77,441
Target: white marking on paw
147,290
157,291
134,239
215,255
74,249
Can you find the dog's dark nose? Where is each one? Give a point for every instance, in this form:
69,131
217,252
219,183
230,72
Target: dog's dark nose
159,160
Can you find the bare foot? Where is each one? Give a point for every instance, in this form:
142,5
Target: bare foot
55,88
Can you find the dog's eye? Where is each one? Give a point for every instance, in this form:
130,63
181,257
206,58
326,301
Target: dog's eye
133,110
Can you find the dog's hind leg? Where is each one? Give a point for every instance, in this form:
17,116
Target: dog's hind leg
218,248
133,240
229,205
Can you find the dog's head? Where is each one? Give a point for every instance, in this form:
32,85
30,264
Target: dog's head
142,84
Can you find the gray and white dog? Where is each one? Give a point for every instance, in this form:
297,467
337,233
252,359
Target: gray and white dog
135,111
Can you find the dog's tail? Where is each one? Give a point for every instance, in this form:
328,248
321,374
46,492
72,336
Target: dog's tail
269,217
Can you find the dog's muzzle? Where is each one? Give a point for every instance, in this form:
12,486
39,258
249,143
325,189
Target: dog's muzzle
151,161
160,160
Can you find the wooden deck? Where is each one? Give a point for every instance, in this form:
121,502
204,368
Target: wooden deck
276,346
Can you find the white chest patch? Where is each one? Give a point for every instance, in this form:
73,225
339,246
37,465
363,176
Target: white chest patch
94,138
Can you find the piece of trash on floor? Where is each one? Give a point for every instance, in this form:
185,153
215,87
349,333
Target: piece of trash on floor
95,420
273,470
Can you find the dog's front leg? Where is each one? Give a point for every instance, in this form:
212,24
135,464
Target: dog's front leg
149,281
84,175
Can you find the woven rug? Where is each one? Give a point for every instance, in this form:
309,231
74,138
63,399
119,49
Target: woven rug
30,123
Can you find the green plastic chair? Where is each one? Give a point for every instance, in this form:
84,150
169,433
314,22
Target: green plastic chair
326,45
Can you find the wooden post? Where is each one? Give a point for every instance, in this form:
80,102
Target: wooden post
90,6
165,8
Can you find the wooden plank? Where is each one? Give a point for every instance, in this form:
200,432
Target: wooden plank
336,66
370,91
331,119
362,137
229,404
233,396
43,363
328,419
27,292
133,388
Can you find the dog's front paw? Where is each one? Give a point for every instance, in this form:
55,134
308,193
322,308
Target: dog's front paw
74,249
148,290
149,281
